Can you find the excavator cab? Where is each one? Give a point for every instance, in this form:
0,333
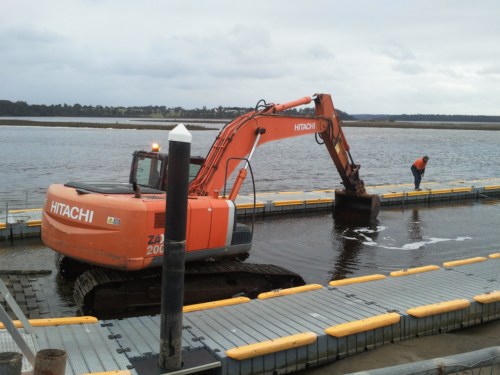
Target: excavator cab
149,169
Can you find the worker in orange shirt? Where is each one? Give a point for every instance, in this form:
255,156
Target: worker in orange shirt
418,169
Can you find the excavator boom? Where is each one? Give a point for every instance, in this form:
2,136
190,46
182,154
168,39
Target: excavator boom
239,139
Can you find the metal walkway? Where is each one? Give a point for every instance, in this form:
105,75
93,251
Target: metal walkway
303,201
290,330
20,223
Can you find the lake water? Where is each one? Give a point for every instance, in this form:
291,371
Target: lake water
313,245
32,158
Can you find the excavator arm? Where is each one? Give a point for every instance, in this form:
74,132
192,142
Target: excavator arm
239,139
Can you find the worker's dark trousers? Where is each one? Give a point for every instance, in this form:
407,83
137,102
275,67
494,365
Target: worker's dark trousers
417,175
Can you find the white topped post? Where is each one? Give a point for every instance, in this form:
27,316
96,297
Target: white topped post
172,295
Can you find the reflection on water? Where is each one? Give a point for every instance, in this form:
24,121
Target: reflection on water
414,227
350,241
26,254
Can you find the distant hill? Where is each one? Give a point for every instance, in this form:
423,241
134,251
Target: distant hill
427,118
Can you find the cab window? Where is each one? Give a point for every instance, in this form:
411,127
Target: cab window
148,172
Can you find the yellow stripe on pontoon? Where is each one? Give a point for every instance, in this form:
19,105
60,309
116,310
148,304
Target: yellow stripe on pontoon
463,262
363,325
438,308
215,304
356,280
271,346
289,291
412,271
56,321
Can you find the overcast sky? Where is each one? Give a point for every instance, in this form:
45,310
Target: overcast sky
393,56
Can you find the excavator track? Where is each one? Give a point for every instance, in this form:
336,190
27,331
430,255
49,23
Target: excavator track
111,294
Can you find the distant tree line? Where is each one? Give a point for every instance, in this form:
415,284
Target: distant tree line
8,108
428,118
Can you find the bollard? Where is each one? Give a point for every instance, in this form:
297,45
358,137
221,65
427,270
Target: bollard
50,362
11,363
172,297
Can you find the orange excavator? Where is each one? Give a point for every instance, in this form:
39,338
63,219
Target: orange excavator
110,236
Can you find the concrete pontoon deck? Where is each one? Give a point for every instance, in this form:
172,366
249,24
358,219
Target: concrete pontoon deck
289,330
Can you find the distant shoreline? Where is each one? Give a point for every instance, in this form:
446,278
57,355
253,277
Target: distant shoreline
422,125
98,125
346,124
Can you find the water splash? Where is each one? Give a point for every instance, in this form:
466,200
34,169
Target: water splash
379,228
368,241
416,245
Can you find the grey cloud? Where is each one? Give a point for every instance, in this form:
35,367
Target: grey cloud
396,52
32,47
401,58
409,67
491,70
27,36
222,52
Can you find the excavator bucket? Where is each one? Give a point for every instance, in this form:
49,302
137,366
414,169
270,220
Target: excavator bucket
352,207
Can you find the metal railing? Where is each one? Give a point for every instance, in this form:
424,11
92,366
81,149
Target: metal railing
479,362
10,327
16,211
20,200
